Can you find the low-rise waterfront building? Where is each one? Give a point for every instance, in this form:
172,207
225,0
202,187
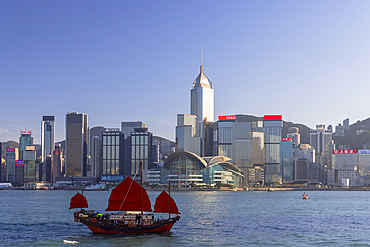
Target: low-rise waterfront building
185,168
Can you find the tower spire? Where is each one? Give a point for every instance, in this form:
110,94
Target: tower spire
201,61
201,56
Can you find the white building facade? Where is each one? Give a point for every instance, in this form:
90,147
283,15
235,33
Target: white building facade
202,100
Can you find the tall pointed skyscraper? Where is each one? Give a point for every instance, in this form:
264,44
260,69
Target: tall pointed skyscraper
202,100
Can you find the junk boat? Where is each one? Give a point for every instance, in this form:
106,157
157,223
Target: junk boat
131,197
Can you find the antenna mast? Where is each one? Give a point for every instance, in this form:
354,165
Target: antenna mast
201,56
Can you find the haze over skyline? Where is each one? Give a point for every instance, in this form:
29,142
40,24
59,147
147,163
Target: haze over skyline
136,61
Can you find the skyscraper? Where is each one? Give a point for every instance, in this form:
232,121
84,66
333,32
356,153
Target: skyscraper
95,156
286,159
112,152
141,149
273,125
202,100
11,158
1,164
47,136
76,144
293,132
24,141
127,128
186,138
319,138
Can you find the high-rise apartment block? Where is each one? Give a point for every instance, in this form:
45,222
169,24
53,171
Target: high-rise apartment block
76,144
346,124
47,136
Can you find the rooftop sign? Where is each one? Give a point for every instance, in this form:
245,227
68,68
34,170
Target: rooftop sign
286,139
25,132
10,150
363,151
345,151
272,117
227,117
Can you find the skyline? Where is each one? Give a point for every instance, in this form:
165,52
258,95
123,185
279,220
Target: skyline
119,61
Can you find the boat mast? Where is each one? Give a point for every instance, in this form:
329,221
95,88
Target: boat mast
169,193
141,183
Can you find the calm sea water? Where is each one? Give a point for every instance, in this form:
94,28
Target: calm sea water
327,218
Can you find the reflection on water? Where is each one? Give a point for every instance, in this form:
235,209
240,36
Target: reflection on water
208,218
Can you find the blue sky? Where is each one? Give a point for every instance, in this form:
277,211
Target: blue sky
136,60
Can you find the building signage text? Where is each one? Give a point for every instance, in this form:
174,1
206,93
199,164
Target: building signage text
345,151
227,117
19,162
286,139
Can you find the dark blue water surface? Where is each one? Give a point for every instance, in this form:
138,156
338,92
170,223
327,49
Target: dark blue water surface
208,218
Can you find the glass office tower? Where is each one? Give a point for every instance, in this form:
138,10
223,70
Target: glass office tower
141,147
112,152
273,125
286,159
76,144
24,141
47,136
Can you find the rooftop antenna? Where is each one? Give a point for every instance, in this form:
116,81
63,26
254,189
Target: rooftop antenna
201,56
201,60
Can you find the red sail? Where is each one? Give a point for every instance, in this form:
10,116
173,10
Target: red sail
129,196
78,201
165,204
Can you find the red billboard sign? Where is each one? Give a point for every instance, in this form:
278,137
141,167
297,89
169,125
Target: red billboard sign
10,150
286,139
226,117
273,117
25,132
345,151
19,162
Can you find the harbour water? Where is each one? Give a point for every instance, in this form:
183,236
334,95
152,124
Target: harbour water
208,218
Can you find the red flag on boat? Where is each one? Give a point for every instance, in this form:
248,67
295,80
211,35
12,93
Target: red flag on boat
165,204
129,196
78,201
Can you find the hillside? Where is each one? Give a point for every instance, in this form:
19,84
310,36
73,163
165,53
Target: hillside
353,139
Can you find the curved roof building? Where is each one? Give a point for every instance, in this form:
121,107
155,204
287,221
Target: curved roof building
187,168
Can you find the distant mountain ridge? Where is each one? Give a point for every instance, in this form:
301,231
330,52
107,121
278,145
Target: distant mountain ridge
356,137
358,134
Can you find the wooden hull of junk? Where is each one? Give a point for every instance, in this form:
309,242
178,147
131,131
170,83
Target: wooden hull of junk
106,226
